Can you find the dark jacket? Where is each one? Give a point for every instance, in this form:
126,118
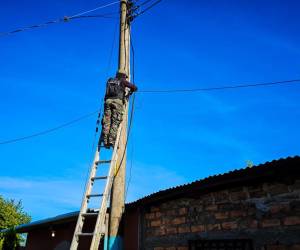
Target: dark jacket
115,88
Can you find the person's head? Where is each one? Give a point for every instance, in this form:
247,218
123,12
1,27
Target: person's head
121,75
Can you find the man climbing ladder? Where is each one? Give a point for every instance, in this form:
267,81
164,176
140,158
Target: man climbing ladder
114,134
115,99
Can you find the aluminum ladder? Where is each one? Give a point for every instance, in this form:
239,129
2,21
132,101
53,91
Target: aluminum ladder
99,229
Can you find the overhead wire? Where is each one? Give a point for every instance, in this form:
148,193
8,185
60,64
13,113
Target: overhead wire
130,169
147,91
93,10
132,112
143,91
141,12
109,16
66,19
111,50
47,131
145,2
238,86
149,7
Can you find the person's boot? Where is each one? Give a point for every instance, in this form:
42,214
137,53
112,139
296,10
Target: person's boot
112,144
106,144
103,139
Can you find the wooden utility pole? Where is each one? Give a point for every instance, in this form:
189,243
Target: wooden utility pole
117,205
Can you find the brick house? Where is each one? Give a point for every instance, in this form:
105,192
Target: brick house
251,208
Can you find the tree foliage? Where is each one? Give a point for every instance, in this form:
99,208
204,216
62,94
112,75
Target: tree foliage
10,240
11,215
249,164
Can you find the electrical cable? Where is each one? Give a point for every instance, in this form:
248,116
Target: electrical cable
221,87
145,2
111,51
109,16
132,112
47,131
133,57
128,132
92,10
130,169
147,8
66,19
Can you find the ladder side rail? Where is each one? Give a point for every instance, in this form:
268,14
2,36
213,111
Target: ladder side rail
84,204
99,227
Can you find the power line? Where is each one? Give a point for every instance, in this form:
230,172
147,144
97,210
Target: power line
47,131
128,132
138,12
65,19
111,50
130,170
107,15
149,7
219,88
97,8
132,112
145,2
60,20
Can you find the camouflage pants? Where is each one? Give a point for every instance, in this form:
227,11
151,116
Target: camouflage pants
113,116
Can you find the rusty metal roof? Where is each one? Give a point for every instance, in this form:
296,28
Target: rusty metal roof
282,169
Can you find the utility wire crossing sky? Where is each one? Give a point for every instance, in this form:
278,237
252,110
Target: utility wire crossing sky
83,15
88,115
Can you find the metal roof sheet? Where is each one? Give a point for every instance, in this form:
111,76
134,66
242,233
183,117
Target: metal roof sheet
275,170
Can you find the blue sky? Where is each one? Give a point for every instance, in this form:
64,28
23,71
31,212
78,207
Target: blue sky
54,74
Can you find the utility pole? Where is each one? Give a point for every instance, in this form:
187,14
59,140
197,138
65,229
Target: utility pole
117,204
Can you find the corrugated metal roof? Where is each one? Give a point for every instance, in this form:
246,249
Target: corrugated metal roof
276,169
273,169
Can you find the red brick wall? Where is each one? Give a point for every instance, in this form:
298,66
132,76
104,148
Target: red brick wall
268,213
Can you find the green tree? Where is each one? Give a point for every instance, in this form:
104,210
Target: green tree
11,215
249,164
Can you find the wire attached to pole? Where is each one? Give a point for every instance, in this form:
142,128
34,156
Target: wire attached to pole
238,86
49,130
66,19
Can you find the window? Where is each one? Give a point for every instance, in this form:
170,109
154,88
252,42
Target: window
220,245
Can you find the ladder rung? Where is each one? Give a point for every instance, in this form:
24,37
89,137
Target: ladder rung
99,178
89,214
94,195
85,234
102,162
